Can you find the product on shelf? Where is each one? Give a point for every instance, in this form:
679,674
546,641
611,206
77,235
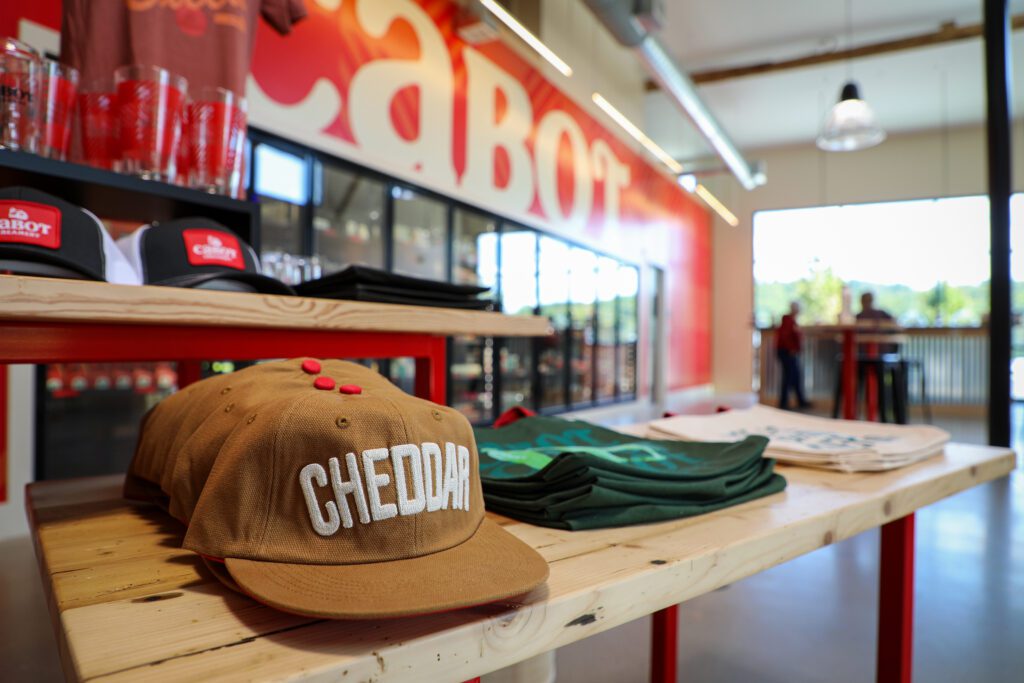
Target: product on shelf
574,475
197,252
363,283
46,236
57,94
20,77
844,445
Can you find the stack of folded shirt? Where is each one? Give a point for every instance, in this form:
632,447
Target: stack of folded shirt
362,283
574,475
844,445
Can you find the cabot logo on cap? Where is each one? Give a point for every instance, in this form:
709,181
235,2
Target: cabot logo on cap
30,223
213,248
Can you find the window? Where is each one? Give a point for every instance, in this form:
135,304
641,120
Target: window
348,218
420,235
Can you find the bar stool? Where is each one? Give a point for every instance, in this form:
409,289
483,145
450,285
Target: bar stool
889,371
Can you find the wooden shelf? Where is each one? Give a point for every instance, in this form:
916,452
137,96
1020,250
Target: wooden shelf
128,602
123,197
46,300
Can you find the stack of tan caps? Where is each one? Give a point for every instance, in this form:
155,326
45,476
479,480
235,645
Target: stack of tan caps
319,488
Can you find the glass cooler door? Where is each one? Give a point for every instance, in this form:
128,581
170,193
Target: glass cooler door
607,327
518,297
583,291
554,257
629,288
348,219
471,359
420,249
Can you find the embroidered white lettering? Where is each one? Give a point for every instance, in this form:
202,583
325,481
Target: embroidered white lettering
353,486
463,478
410,452
374,482
307,475
433,477
451,478
429,482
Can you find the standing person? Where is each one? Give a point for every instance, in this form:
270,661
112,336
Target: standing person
787,347
868,310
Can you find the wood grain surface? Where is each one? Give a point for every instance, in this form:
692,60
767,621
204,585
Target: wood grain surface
129,604
29,299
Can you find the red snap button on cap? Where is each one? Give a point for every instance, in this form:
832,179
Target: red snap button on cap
310,366
350,389
323,383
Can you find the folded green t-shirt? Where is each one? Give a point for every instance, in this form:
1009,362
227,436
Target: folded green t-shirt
548,448
576,475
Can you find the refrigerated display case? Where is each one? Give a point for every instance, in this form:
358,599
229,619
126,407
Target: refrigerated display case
629,291
420,234
518,277
553,296
605,374
420,248
348,218
281,186
474,262
582,313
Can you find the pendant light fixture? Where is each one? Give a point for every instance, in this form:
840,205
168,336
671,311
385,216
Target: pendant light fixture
851,124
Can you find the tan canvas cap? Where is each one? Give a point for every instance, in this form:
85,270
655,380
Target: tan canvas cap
336,494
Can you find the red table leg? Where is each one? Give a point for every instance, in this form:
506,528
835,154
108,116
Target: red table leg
896,602
664,644
849,371
431,372
189,371
871,381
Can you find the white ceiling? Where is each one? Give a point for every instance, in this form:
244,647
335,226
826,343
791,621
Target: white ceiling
911,90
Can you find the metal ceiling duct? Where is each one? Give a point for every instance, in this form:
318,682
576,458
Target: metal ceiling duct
621,20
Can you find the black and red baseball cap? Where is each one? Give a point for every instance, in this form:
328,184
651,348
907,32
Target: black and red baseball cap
46,236
197,252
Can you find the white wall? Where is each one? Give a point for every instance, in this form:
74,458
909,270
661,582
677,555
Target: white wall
909,166
20,436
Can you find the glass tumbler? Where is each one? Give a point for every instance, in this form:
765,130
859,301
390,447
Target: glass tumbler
217,120
19,96
97,123
56,108
150,102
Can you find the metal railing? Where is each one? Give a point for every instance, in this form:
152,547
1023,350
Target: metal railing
953,360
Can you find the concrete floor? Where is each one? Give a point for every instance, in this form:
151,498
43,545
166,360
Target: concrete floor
812,619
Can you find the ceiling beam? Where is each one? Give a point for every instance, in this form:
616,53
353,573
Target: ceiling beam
947,33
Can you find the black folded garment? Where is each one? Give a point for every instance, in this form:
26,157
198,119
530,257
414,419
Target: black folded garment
362,283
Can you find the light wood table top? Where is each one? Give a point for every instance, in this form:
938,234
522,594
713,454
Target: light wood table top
130,604
49,300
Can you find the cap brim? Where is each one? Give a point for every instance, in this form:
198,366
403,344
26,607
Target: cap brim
261,283
492,565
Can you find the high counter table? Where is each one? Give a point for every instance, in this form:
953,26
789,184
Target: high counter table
848,371
128,603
